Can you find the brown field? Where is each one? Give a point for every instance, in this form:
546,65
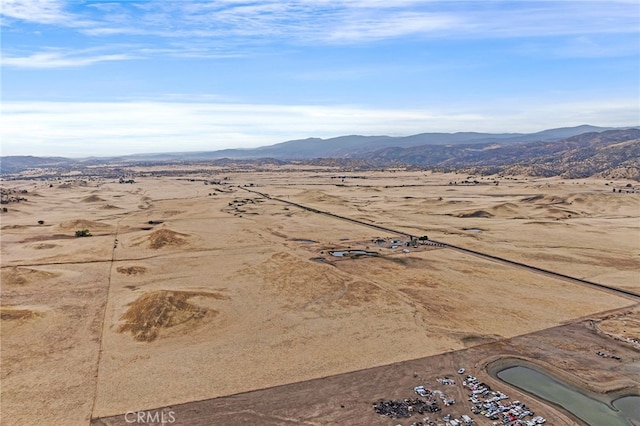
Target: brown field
189,291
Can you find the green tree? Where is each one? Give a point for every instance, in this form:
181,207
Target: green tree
83,233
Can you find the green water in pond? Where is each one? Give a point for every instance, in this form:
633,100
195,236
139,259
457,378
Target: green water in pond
343,253
591,411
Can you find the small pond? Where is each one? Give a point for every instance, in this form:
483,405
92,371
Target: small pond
343,253
590,410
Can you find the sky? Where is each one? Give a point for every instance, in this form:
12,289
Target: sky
96,78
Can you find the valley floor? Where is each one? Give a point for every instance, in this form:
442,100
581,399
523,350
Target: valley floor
192,287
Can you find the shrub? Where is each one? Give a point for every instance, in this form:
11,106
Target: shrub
83,233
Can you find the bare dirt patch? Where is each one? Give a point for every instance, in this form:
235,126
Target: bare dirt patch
11,313
476,213
471,340
157,310
43,246
92,199
625,327
84,224
544,199
313,196
22,276
48,237
13,227
164,238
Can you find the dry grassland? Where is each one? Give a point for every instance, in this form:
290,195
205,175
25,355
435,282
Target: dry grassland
187,291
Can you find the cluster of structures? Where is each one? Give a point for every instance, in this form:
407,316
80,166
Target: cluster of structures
491,404
394,243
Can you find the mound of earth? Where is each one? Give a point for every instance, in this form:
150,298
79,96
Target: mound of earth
131,270
13,227
532,199
43,246
477,213
92,199
10,313
23,276
165,238
110,207
315,195
84,224
556,213
544,199
505,210
161,309
593,198
474,339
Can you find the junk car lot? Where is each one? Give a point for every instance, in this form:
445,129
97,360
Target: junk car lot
434,407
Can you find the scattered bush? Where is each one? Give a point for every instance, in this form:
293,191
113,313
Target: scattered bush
83,233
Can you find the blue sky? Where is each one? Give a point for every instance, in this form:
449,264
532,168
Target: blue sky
84,78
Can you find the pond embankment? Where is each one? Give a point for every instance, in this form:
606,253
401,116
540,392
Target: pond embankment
620,407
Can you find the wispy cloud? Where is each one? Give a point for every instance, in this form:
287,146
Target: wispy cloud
40,11
582,46
52,57
233,28
59,59
337,21
50,12
379,27
101,128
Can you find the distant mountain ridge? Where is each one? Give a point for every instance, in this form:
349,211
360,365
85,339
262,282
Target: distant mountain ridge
537,153
353,146
612,153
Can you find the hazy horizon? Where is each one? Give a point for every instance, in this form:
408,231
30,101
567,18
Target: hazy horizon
114,78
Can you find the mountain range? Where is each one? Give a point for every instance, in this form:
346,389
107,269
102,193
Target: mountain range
354,146
570,152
